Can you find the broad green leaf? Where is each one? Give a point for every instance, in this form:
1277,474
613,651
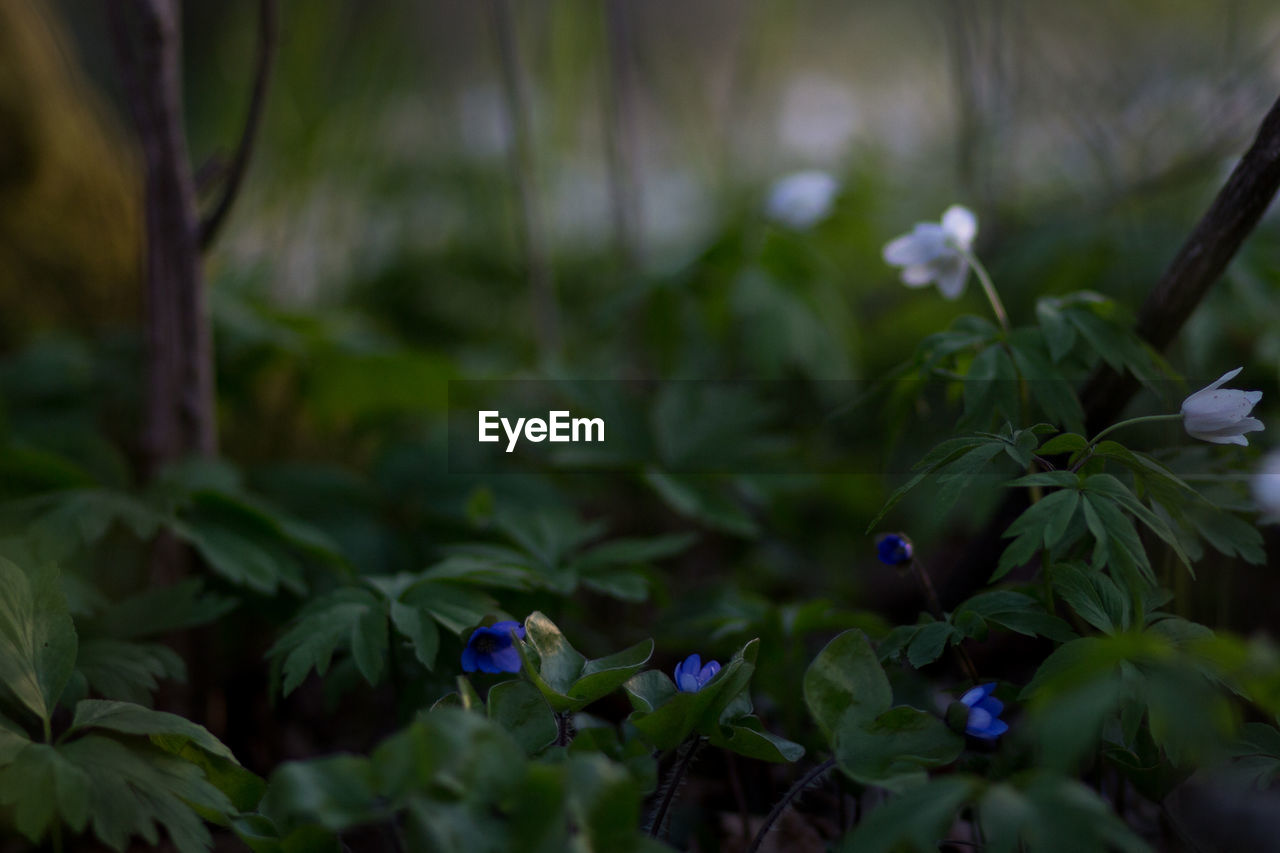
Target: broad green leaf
37,638
1067,442
1052,814
133,719
521,709
558,664
337,792
895,743
845,681
929,643
12,739
668,722
917,819
747,737
602,676
162,610
42,787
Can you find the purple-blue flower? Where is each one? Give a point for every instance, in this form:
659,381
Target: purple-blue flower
692,676
894,549
984,713
491,649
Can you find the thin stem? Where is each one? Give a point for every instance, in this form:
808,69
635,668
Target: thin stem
988,287
564,729
935,607
805,781
1141,420
673,784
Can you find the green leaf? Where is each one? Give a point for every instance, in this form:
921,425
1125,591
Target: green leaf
520,708
1067,442
929,643
1228,534
163,610
12,739
37,638
131,672
1093,595
917,819
1056,396
1018,612
337,792
894,744
602,676
557,666
455,607
1054,814
416,624
604,802
942,454
845,681
350,618
133,787
42,787
665,717
1059,335
746,736
991,388
127,718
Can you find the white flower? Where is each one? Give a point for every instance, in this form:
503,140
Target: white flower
1221,415
935,253
1266,487
802,199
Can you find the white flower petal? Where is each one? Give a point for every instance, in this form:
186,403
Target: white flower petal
961,225
802,199
918,275
922,245
952,276
1266,486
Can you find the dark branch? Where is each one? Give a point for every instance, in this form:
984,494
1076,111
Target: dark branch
1200,262
268,27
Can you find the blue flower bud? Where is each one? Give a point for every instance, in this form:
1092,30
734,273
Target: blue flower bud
492,649
894,549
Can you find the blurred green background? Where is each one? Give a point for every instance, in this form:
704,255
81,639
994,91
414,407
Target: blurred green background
376,253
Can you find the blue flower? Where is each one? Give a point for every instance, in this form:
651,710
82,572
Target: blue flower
894,549
692,676
984,713
491,649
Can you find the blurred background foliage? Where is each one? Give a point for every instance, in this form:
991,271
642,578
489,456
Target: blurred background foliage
376,253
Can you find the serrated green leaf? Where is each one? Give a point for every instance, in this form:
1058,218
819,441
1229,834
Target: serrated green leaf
37,638
1059,335
338,620
916,819
133,787
131,672
420,629
128,718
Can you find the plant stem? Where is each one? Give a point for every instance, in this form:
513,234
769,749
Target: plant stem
1141,420
805,781
564,729
676,776
989,288
935,607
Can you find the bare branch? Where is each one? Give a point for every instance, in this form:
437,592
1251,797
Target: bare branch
268,29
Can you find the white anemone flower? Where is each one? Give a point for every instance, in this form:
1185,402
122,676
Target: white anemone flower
1221,415
1266,487
936,252
802,199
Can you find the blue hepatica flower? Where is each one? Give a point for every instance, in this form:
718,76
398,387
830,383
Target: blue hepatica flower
894,549
692,676
984,713
491,649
